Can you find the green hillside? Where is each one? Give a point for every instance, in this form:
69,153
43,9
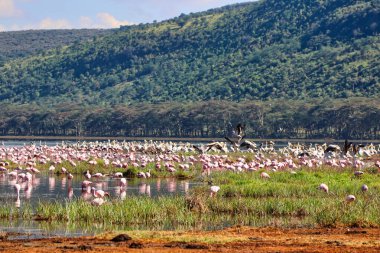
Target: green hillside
294,69
259,50
26,43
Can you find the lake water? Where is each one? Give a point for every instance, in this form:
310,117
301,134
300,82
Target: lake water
59,188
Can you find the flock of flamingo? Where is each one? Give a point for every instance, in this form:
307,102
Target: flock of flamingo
20,163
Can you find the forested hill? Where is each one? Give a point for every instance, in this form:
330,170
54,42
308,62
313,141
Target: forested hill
27,43
267,49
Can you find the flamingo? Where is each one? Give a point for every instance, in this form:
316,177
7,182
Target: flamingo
63,170
88,175
97,201
123,182
51,169
86,184
34,170
364,188
118,175
70,176
358,173
323,187
98,175
141,174
213,190
13,174
99,193
350,198
17,188
264,175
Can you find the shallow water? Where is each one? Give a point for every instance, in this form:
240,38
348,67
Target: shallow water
59,188
52,188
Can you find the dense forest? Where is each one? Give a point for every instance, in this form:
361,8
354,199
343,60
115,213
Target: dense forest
26,43
299,68
339,118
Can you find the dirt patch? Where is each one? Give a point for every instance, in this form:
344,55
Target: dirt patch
238,239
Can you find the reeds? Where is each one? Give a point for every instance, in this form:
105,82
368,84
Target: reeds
284,200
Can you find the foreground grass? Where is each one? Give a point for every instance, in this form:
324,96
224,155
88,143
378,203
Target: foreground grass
285,200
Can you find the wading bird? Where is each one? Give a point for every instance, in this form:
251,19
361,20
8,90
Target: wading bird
213,190
323,187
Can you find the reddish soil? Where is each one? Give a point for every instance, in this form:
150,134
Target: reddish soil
244,239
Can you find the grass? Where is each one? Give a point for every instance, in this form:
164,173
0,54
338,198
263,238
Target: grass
285,200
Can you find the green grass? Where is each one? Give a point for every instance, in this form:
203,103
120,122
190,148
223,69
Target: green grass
285,200
81,167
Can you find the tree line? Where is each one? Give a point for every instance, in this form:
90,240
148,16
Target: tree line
355,118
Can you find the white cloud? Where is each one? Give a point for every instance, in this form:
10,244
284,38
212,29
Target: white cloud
49,23
8,9
46,23
86,22
104,20
109,21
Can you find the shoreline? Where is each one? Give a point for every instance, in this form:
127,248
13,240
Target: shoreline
176,139
234,239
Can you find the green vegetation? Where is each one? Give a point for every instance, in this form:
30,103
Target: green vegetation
153,79
355,118
32,42
244,199
265,49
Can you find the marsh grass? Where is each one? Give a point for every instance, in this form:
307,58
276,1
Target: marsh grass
284,200
9,211
82,167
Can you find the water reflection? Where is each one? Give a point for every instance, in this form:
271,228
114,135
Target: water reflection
38,187
51,183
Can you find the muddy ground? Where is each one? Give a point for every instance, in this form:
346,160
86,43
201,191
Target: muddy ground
237,239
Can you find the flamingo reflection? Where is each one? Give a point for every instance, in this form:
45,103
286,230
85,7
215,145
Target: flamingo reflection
172,185
51,183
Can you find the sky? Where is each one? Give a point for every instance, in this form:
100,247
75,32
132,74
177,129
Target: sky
67,14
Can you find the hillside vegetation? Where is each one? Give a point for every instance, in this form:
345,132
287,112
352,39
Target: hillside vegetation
26,43
258,50
299,52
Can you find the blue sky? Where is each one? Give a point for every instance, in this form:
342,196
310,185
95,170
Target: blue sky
61,14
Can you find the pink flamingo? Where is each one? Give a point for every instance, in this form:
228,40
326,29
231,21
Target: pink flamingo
63,170
17,188
264,175
118,175
141,174
350,198
213,190
323,187
99,193
123,182
98,175
51,169
87,175
358,173
86,184
97,201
